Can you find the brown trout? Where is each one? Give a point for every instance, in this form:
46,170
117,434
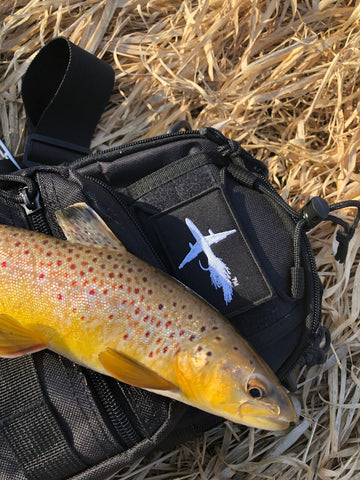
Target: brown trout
95,303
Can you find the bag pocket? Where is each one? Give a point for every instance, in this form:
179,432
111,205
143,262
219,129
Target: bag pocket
208,252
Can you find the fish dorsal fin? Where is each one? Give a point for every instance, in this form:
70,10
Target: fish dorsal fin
15,340
123,368
81,224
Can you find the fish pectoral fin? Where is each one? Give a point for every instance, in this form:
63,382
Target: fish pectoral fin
123,368
81,224
15,340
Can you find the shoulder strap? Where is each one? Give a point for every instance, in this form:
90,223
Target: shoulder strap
65,91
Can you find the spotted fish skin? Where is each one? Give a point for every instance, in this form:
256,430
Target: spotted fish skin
104,308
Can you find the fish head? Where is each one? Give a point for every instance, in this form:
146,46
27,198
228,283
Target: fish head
235,383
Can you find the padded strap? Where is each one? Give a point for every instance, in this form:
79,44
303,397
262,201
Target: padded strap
64,91
29,427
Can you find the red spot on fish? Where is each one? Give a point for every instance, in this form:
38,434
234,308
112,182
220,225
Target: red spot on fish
144,279
190,317
145,319
115,266
105,292
3,264
92,292
58,263
126,336
41,276
181,333
123,302
109,257
83,318
165,349
111,316
128,280
81,273
137,311
167,324
17,244
150,292
192,337
158,323
129,289
158,340
147,334
85,283
202,329
111,275
160,306
48,254
102,266
74,283
73,266
121,287
59,297
174,304
94,279
151,354
26,252
74,310
199,348
215,328
172,335
136,290
45,242
91,269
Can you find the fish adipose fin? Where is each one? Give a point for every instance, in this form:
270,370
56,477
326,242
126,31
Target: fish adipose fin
16,340
81,224
130,371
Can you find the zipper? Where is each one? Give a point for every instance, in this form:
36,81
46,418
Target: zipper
112,399
132,217
134,146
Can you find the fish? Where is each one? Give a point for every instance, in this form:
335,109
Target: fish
91,300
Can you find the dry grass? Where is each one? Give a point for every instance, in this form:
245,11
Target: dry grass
283,78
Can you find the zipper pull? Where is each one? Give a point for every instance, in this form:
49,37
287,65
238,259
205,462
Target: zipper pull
7,161
31,200
315,211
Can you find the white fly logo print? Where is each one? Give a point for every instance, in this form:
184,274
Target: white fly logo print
219,272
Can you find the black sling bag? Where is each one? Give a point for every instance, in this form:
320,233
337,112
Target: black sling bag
61,421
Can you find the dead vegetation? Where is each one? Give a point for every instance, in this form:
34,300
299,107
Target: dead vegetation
282,77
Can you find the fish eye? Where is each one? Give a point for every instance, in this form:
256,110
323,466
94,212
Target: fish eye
257,388
256,392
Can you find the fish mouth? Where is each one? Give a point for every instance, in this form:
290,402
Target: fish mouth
266,416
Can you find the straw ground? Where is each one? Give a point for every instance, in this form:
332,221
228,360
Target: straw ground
282,77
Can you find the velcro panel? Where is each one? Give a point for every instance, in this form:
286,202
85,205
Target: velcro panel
209,253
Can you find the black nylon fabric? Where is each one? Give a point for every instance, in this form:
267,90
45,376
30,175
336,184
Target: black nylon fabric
63,102
29,429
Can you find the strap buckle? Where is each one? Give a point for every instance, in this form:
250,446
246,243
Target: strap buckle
51,151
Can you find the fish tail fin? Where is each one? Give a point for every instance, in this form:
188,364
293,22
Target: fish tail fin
15,340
